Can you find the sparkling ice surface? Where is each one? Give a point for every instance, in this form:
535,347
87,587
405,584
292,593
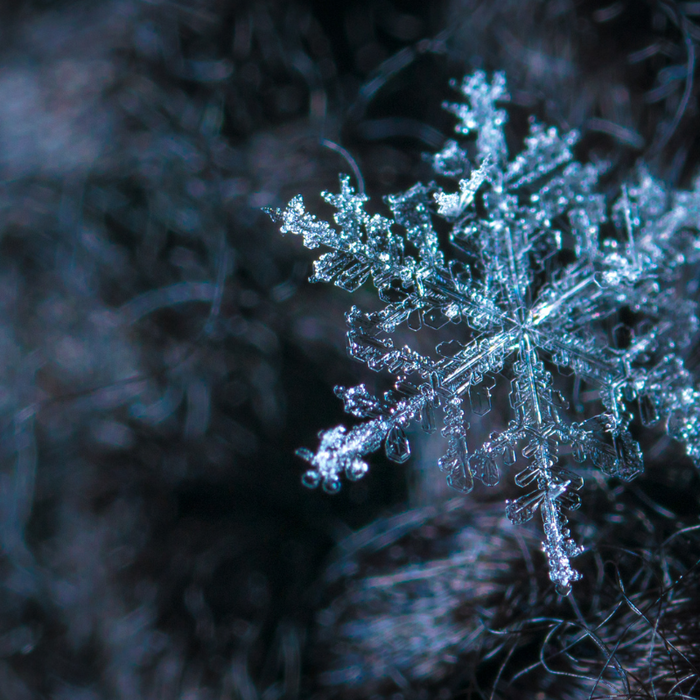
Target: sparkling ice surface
542,268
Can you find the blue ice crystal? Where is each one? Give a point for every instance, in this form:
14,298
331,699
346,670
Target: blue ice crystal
540,271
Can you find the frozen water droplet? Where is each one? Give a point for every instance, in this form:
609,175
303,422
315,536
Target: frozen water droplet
331,485
570,500
480,398
455,464
397,446
356,470
510,456
461,479
311,479
427,417
563,588
484,468
529,449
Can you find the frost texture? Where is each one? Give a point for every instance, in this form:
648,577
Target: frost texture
542,268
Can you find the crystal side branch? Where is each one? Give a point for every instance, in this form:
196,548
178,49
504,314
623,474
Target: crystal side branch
541,269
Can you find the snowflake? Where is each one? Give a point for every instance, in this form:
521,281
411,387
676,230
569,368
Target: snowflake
541,270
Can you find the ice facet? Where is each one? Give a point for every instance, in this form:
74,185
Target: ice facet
397,448
484,467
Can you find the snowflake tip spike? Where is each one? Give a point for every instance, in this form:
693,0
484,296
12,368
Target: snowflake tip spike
396,445
451,206
481,116
529,284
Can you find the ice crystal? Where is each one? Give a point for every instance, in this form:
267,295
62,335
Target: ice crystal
543,274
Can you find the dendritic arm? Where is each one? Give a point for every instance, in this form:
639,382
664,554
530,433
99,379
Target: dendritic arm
482,116
538,411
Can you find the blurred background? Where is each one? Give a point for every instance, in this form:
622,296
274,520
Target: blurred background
163,356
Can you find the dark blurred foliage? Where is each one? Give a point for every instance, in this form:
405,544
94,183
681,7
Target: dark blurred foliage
163,356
